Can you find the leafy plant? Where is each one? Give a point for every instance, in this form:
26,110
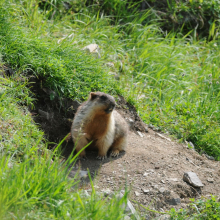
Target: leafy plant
201,209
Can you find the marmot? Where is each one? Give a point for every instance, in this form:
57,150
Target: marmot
97,120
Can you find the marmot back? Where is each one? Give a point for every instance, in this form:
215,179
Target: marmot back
96,120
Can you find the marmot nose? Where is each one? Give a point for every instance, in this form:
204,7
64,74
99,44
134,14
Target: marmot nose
110,108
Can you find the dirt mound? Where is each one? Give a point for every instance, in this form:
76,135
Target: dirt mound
152,167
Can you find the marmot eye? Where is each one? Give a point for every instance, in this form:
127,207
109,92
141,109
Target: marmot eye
103,97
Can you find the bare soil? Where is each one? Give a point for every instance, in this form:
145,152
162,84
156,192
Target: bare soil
152,167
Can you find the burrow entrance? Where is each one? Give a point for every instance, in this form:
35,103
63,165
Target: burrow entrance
54,114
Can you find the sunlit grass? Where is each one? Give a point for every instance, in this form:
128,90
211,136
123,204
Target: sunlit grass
172,79
34,182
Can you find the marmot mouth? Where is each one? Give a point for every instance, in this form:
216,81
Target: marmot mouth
109,110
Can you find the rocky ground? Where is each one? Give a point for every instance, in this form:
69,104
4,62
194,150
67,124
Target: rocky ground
152,168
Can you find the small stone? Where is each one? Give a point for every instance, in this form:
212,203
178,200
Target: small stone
174,179
192,179
137,193
174,201
162,190
145,174
210,180
140,134
164,217
93,48
157,166
155,186
146,191
151,126
151,171
126,217
131,122
209,157
160,135
162,181
107,192
86,193
83,174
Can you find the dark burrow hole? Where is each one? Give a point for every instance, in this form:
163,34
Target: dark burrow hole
55,114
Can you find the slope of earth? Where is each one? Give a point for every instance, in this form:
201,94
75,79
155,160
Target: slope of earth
152,168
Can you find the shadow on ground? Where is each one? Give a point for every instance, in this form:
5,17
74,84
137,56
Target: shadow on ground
91,163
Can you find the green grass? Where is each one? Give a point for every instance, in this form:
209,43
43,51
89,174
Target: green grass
65,69
200,209
34,182
172,79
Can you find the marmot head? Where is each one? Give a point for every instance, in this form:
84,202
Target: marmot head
102,102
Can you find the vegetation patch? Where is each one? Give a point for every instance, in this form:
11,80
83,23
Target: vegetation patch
35,182
172,79
200,209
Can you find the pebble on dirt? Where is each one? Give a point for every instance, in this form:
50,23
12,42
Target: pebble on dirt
146,191
137,193
164,217
83,173
192,179
210,180
107,192
209,157
140,134
174,201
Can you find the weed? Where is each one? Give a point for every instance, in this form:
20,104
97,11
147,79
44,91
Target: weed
200,209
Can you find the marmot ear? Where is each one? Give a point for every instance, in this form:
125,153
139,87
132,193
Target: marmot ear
93,95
